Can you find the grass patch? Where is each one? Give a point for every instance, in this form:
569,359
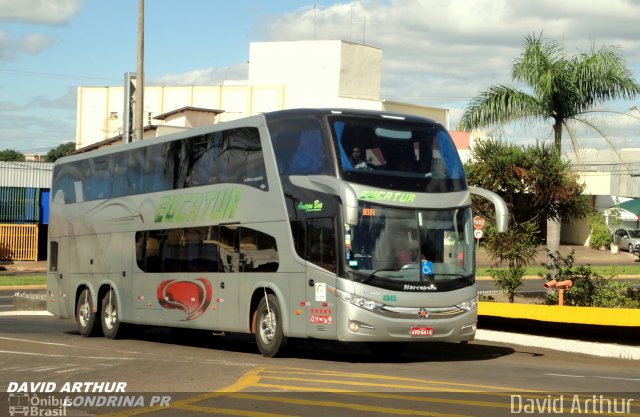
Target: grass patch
604,270
8,280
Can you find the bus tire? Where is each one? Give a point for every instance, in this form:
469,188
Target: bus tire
85,316
269,335
111,326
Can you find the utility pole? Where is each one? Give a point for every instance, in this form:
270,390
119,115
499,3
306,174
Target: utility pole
139,93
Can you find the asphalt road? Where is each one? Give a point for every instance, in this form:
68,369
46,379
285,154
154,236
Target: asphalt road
6,300
201,374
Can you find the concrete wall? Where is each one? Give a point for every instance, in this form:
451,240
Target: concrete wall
100,109
318,73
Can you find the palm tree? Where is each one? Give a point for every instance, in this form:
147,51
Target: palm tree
562,88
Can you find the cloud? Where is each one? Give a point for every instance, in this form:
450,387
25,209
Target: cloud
31,133
47,12
33,12
35,43
438,51
30,44
35,126
68,101
208,76
10,106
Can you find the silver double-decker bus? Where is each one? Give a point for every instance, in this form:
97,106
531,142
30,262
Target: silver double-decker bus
327,224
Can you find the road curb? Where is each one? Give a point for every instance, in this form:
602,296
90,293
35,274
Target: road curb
22,287
599,316
29,302
609,350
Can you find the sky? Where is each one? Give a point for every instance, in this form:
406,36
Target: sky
439,53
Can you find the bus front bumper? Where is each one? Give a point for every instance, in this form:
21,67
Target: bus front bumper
448,324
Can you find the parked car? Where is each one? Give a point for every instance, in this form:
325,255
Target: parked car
627,239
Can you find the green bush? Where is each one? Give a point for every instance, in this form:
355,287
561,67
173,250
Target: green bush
600,233
612,293
589,288
508,280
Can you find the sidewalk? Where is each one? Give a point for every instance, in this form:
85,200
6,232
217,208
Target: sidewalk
22,267
583,255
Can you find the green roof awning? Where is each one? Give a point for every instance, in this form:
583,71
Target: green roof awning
632,206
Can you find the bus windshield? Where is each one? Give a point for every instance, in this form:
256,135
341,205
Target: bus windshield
409,245
397,154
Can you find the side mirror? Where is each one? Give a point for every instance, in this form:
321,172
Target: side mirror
331,185
502,212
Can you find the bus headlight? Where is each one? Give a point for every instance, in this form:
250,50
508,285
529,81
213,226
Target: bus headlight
469,304
357,301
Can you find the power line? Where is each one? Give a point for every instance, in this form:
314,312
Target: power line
56,75
118,81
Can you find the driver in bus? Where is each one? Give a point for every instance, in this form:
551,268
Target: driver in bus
357,162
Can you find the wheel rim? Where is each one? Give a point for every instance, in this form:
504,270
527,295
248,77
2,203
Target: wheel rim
84,312
268,326
110,316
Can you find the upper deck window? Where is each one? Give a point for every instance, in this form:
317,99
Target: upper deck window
396,154
299,147
228,156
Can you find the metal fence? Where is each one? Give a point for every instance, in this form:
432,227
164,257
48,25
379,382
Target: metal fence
19,242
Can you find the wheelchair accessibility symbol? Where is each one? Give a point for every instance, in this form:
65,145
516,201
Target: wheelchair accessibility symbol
427,267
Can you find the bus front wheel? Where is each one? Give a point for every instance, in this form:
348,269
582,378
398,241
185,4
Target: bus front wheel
85,315
269,335
111,326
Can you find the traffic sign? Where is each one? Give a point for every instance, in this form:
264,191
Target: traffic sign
478,234
478,222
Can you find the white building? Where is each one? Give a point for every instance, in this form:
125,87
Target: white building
610,177
282,75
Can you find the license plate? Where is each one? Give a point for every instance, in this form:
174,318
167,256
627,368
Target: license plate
421,331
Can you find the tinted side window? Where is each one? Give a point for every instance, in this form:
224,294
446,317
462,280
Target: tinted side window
300,147
64,178
53,256
258,251
233,156
315,241
203,154
206,249
158,171
322,243
241,159
127,173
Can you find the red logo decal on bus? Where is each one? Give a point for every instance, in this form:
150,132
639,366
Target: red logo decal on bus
192,297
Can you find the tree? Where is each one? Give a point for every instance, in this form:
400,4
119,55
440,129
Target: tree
563,88
11,155
62,150
533,181
501,168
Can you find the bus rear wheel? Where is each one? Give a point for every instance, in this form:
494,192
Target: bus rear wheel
111,326
85,315
269,335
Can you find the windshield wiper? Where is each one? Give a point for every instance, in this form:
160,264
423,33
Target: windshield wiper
372,275
465,278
